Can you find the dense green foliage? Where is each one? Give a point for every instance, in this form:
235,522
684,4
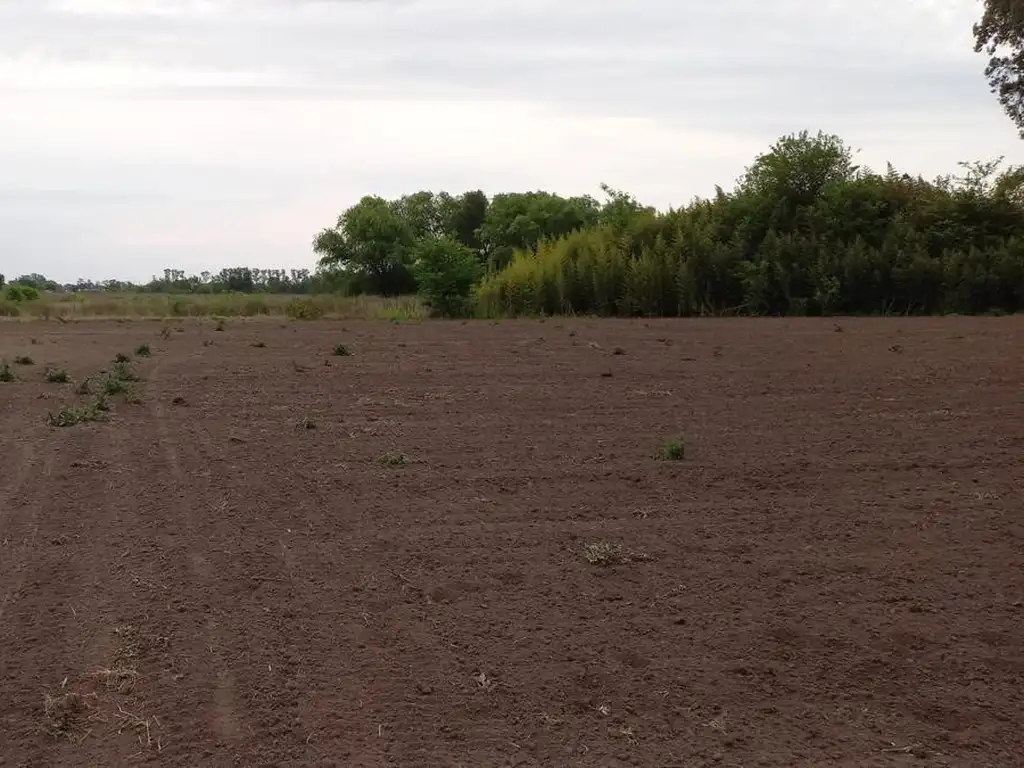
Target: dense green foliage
375,241
1000,34
36,281
805,232
446,271
377,245
17,292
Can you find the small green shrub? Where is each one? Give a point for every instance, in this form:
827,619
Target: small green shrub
260,344
446,271
671,450
24,360
120,357
112,385
67,416
70,415
142,350
303,309
121,370
393,460
340,350
120,382
17,293
57,376
6,374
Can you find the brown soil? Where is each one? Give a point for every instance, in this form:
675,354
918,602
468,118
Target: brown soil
833,575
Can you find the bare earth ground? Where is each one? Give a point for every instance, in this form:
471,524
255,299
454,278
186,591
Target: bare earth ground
834,574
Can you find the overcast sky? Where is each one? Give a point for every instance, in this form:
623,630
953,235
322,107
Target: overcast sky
196,134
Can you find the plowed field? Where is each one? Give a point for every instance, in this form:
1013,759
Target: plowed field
277,556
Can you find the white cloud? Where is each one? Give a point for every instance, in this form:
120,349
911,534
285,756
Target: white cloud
148,133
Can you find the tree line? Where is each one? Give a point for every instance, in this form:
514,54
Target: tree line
237,280
377,244
230,280
805,231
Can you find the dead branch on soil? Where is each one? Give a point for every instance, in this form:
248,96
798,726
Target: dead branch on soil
406,580
901,750
142,726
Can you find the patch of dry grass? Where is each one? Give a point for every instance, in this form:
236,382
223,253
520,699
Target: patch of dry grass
68,715
605,553
72,306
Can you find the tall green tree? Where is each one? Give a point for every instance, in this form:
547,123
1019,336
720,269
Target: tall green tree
467,215
779,188
373,242
1000,34
520,220
798,167
621,211
37,281
426,214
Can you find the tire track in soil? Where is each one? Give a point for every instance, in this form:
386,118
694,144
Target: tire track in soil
269,610
75,606
145,524
226,714
13,578
303,658
22,465
16,483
